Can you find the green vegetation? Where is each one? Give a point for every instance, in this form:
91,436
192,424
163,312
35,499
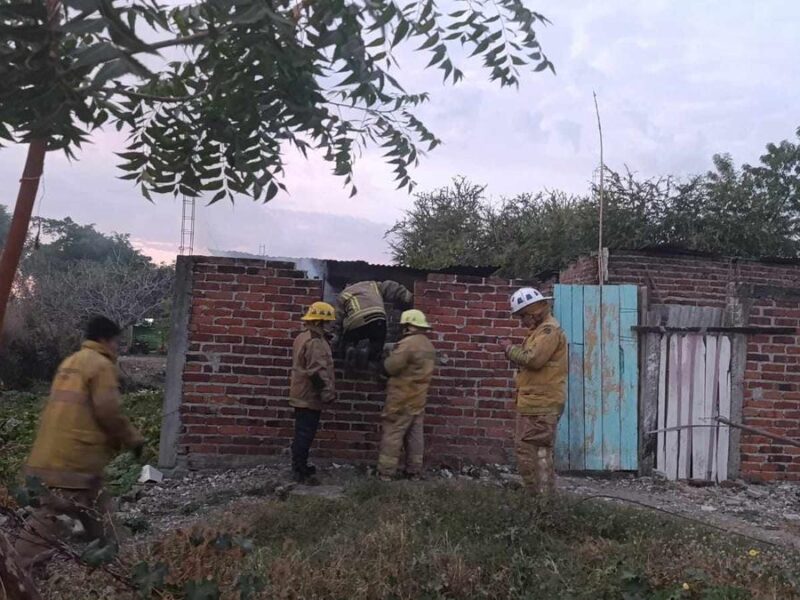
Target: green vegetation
748,211
19,414
72,273
251,79
442,540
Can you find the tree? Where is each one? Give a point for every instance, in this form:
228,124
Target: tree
446,227
71,274
752,211
254,76
64,241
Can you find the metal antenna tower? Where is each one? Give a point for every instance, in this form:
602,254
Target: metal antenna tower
187,227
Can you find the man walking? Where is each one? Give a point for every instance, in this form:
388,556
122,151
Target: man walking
312,385
410,369
541,387
81,428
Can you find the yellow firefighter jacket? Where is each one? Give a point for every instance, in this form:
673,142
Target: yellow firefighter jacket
82,425
542,370
410,368
312,382
363,302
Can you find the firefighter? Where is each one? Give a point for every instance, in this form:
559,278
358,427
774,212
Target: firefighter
541,364
312,385
410,369
81,428
362,316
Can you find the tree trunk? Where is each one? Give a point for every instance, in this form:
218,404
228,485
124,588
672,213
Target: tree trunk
26,198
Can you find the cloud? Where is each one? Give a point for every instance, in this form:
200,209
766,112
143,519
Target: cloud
677,82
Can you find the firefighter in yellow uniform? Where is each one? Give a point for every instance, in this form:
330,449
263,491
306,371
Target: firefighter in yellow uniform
410,369
312,385
81,428
541,382
362,316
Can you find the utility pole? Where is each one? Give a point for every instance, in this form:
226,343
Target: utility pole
26,197
187,227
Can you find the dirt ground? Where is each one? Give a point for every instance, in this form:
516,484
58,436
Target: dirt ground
768,513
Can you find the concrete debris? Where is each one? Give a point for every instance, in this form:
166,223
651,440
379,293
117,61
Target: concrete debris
772,511
151,475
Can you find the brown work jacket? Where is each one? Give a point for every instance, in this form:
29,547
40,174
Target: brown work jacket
542,370
82,425
365,301
410,368
312,382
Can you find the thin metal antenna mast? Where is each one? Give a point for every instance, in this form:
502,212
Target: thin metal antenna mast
600,257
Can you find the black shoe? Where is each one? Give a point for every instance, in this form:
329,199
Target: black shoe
363,358
306,476
350,357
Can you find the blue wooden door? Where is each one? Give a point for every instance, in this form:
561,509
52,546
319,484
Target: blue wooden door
598,430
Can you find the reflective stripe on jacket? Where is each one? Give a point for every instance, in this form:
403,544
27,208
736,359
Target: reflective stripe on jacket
542,375
82,425
312,383
363,302
410,368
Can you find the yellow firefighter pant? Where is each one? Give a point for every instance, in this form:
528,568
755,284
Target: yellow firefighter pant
535,438
91,507
399,431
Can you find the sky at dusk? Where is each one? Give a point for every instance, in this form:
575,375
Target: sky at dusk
676,81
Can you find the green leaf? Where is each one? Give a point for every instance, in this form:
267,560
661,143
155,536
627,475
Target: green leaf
98,553
249,585
83,5
111,70
246,544
84,26
147,578
430,42
95,55
401,32
218,196
201,590
255,13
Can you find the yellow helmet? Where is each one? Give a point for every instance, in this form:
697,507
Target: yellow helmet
320,311
414,317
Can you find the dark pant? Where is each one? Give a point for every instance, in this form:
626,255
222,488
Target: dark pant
374,331
306,423
91,507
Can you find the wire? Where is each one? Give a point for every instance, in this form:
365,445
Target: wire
679,515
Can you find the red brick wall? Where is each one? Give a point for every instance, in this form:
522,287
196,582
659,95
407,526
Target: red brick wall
772,393
681,279
583,271
695,280
244,316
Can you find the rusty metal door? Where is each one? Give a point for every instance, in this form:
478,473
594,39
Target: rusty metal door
599,430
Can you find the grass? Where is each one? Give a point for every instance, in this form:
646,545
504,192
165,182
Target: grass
463,540
19,415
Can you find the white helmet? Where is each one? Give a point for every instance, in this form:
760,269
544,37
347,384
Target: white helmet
525,297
